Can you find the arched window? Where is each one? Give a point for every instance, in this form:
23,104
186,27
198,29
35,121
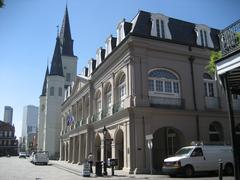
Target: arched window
98,102
51,91
108,99
215,132
209,85
121,84
162,82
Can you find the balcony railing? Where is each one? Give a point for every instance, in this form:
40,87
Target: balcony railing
156,101
230,38
212,102
236,104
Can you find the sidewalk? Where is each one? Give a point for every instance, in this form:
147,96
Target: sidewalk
118,174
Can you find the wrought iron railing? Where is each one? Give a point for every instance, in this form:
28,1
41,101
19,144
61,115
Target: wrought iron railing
118,106
156,101
230,38
212,102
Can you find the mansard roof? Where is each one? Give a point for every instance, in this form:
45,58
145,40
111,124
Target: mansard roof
44,89
56,66
182,32
65,36
179,32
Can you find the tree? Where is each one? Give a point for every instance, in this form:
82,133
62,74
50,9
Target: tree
211,67
1,3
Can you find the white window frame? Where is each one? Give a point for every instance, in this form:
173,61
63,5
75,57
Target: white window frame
207,84
164,81
203,36
162,27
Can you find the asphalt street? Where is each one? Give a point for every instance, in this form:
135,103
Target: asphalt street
14,168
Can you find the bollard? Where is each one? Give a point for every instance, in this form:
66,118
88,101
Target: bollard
220,169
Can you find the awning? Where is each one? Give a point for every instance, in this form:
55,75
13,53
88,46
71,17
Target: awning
230,66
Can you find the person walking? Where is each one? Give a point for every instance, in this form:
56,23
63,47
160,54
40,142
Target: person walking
90,161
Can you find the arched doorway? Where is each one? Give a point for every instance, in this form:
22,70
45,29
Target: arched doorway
98,148
119,148
166,141
108,145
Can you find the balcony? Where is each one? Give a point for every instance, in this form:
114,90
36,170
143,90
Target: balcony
236,104
156,101
230,38
212,102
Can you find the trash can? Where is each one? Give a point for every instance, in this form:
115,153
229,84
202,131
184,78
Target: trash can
98,168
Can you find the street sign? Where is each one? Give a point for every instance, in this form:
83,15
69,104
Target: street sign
86,170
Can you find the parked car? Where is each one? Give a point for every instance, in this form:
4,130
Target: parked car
197,158
39,157
22,155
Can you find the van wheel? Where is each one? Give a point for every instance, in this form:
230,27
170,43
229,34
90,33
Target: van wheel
229,169
188,171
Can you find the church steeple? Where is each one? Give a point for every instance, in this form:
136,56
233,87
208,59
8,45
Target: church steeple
65,36
44,89
56,66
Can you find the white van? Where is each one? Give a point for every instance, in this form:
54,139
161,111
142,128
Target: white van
40,157
198,158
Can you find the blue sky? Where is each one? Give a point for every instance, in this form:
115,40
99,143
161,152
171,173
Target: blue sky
28,33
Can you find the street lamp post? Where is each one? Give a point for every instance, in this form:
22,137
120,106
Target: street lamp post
104,151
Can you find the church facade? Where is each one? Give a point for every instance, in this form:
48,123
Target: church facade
62,72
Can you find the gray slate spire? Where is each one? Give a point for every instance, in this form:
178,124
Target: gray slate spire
65,36
56,66
44,89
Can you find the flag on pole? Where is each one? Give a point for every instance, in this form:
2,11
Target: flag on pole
70,119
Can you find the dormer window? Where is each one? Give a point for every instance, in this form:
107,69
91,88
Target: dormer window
100,56
203,36
110,45
91,66
160,27
120,32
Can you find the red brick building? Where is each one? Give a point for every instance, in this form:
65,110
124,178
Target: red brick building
8,142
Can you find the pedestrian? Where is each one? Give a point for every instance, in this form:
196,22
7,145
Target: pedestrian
90,161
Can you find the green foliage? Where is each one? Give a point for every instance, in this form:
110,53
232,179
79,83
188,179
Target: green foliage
211,67
1,3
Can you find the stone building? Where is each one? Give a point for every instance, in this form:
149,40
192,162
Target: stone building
150,80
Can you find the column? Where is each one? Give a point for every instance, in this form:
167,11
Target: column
79,150
61,152
125,150
69,150
74,149
102,150
113,150
65,151
86,146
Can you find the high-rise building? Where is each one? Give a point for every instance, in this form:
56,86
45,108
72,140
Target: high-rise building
29,126
8,114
